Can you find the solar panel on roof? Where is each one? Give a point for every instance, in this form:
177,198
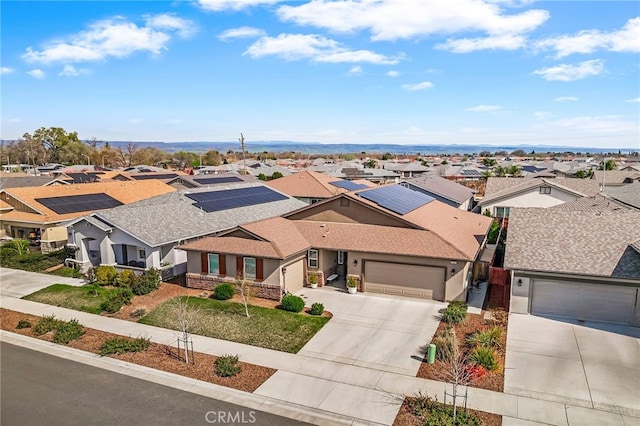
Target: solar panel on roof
348,185
213,201
79,203
155,176
470,173
82,177
215,180
396,198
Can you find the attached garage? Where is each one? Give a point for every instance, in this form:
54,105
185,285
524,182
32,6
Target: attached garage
425,282
294,278
587,302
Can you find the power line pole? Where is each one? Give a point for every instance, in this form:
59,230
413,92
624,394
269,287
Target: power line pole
244,160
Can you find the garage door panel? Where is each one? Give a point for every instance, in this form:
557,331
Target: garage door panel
294,279
404,280
588,302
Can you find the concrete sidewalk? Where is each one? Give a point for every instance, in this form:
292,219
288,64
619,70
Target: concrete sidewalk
16,283
360,393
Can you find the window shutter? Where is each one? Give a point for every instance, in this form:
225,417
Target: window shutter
204,260
259,270
239,266
222,265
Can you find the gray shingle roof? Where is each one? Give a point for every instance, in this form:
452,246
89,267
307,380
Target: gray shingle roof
498,188
442,187
596,203
597,243
23,181
628,194
172,217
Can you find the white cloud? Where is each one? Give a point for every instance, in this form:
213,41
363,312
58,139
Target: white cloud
241,32
541,115
219,5
406,19
115,38
484,108
36,73
635,100
167,21
566,99
355,70
316,48
393,73
71,71
589,41
6,70
567,72
15,120
417,86
500,42
602,124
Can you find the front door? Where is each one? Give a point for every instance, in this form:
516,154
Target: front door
341,262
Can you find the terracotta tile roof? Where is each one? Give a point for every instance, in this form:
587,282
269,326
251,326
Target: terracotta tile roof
125,192
597,242
233,245
377,239
281,232
5,206
307,184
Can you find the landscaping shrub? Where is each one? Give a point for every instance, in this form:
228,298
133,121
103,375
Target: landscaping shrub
34,262
23,324
125,278
224,291
455,313
292,303
45,324
120,345
444,342
485,357
138,313
67,331
106,275
116,300
18,246
316,309
489,338
422,404
443,416
146,283
227,366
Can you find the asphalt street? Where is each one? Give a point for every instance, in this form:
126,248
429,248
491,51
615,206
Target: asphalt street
41,389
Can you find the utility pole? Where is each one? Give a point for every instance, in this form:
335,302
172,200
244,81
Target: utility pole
244,160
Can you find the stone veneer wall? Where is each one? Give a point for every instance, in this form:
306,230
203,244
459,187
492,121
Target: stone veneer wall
210,282
49,246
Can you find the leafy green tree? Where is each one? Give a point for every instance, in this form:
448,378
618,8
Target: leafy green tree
608,165
499,171
276,175
370,164
61,146
514,171
489,162
211,158
387,156
518,153
262,176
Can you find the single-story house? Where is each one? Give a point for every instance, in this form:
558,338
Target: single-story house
577,261
40,213
610,179
444,190
391,239
144,235
628,194
208,180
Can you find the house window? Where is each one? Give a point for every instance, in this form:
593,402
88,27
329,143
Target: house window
249,271
142,253
316,200
344,202
502,211
312,258
545,190
214,264
340,258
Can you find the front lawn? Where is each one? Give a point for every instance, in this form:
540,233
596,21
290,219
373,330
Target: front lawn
267,327
86,298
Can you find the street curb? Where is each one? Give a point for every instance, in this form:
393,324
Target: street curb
199,387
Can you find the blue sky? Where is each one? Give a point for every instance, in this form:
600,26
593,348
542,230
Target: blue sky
496,72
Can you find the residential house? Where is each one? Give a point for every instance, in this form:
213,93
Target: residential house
610,179
502,194
144,235
443,190
576,261
407,170
40,213
390,239
207,180
312,187
628,194
8,181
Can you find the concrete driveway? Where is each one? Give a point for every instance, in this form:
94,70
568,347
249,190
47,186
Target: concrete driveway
379,332
590,365
16,283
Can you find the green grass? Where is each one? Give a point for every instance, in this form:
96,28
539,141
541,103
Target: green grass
266,328
66,272
86,298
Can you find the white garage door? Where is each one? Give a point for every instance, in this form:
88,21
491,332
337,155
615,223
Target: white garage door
294,278
404,280
588,302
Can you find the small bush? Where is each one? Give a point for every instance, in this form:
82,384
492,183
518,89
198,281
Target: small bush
489,338
67,331
18,246
146,283
443,416
120,345
316,309
224,291
421,404
459,304
106,275
23,324
45,324
115,301
454,313
485,357
125,278
138,313
292,303
444,342
227,366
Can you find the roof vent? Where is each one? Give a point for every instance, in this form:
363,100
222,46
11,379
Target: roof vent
322,225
